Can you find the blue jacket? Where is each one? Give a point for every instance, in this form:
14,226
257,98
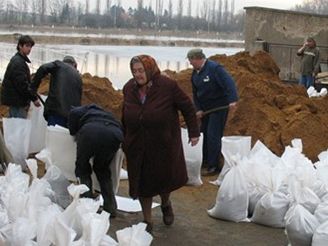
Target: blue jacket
212,87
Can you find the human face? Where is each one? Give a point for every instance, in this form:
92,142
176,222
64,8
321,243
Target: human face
310,43
139,73
25,49
197,63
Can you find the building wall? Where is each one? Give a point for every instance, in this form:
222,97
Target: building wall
282,33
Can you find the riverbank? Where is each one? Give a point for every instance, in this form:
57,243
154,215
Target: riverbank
116,36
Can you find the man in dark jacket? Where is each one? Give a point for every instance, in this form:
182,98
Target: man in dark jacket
98,135
15,91
214,92
65,89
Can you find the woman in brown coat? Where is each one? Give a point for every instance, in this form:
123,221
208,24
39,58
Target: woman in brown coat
152,144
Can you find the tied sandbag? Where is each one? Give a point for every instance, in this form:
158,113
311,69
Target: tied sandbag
134,236
232,197
231,146
321,213
320,236
271,209
193,157
300,226
17,138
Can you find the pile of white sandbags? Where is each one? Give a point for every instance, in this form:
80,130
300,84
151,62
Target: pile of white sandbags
29,217
285,192
312,92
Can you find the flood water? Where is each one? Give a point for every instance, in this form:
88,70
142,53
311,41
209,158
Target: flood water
107,61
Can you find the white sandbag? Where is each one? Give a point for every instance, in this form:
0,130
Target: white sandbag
193,157
134,236
61,152
17,133
320,235
321,213
45,231
38,130
108,241
232,197
232,145
23,232
271,209
95,227
300,225
59,185
64,235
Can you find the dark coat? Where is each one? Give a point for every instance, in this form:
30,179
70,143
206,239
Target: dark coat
65,89
152,142
15,89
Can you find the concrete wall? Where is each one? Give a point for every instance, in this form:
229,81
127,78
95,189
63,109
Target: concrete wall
282,33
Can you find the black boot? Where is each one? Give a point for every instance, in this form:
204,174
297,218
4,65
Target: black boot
106,187
86,180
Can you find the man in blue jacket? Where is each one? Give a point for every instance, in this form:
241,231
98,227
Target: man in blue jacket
214,92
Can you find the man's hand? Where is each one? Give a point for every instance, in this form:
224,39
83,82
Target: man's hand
232,107
37,103
193,141
199,114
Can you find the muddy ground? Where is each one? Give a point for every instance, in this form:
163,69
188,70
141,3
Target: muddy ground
193,226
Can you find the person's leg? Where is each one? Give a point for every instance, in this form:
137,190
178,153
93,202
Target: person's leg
216,126
106,150
166,207
146,203
18,112
103,173
204,125
83,169
309,81
303,81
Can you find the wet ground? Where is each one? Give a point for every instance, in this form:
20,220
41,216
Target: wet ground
193,226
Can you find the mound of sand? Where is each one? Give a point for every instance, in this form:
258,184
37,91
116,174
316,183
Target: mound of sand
269,110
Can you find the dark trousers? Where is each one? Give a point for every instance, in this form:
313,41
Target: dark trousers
213,128
101,142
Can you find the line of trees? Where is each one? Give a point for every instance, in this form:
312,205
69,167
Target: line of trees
313,6
212,15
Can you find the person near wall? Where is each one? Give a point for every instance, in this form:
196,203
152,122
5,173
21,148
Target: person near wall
310,62
98,134
152,136
214,93
65,89
15,89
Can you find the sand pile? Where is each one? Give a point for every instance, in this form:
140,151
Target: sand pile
269,110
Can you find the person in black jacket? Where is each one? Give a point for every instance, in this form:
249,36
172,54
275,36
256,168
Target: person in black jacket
15,91
65,89
99,135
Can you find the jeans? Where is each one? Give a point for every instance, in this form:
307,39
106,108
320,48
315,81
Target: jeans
306,80
57,120
18,112
213,128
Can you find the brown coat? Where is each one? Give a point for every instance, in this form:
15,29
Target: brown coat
152,144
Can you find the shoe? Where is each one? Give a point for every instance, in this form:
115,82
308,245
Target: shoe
210,172
149,227
168,216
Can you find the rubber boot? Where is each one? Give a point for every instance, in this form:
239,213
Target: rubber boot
106,188
86,180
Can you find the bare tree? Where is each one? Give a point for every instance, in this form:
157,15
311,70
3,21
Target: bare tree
170,9
219,16
313,6
226,12
108,5
87,7
98,7
189,8
204,10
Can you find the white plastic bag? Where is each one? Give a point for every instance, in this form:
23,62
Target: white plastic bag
321,213
300,225
193,156
38,130
134,236
17,133
320,236
232,145
232,197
